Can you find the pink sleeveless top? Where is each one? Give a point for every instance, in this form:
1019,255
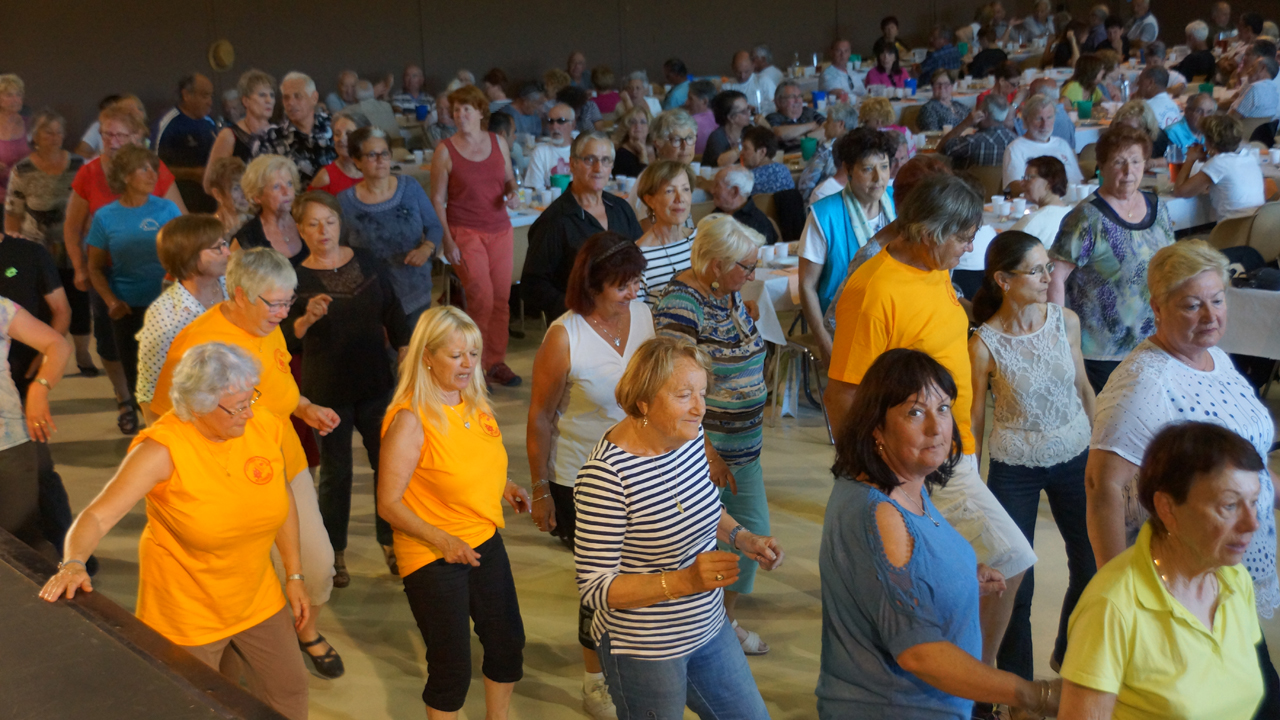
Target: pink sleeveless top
475,190
11,151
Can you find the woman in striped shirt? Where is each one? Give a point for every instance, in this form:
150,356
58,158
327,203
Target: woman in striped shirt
665,188
648,521
704,304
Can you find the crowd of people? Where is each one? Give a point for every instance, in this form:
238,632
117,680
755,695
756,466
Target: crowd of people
260,288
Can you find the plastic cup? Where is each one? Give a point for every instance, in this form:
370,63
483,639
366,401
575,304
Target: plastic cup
1019,207
696,167
1003,208
418,155
421,112
1274,155
561,182
997,199
1084,109
1206,87
808,148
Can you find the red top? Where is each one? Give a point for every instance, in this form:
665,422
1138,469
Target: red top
608,101
91,184
338,180
476,190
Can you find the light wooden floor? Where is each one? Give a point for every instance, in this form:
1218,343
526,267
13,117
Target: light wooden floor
370,624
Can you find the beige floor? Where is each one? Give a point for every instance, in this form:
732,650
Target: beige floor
370,624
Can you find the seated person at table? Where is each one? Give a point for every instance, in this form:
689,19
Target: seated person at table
1200,65
1142,29
585,112
821,175
637,93
1137,114
986,146
699,108
1045,185
605,85
443,127
1116,39
762,61
526,109
551,156
888,70
676,74
580,212
756,88
1187,131
839,79
1065,51
1223,169
794,119
411,94
889,33
1097,28
1038,114
1038,25
1062,125
1261,98
941,109
942,54
1156,54
1007,77
759,146
732,114
878,114
989,57
1153,86
1086,82
840,224
732,194
378,111
505,128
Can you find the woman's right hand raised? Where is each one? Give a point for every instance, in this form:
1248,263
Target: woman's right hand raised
457,552
66,581
711,570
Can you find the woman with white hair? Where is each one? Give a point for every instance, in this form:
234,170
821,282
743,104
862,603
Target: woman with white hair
822,169
443,477
636,92
213,473
270,183
674,135
704,304
246,138
260,289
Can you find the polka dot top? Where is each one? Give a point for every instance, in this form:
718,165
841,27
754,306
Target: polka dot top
1151,389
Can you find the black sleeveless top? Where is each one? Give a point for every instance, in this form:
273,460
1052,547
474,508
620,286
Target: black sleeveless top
251,235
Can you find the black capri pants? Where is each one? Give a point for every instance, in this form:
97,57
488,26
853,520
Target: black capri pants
442,596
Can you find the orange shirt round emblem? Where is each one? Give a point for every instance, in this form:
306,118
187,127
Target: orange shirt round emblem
258,470
282,362
489,425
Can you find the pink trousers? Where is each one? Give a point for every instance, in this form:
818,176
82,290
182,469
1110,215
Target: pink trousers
486,278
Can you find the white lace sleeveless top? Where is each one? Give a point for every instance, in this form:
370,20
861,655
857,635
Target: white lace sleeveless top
1039,419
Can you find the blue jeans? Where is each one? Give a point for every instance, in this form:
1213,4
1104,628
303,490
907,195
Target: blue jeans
1018,487
714,681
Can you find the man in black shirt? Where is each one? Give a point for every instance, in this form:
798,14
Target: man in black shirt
732,194
580,212
1201,62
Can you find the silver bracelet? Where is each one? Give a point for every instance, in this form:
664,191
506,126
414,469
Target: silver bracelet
65,563
541,497
296,576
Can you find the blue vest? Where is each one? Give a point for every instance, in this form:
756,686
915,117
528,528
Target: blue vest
842,240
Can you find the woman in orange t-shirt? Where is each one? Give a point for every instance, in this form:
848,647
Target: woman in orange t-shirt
442,480
213,474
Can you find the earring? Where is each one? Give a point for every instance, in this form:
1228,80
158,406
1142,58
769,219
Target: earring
645,419
715,285
879,447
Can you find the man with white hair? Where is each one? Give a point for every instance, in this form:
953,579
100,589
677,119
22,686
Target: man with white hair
551,156
345,94
306,135
1201,62
1062,125
378,111
1260,97
762,61
1039,141
984,148
758,89
732,194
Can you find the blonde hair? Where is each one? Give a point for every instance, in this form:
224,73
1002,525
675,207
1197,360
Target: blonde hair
12,83
658,175
651,367
721,237
258,173
1173,265
622,128
1139,108
874,108
417,387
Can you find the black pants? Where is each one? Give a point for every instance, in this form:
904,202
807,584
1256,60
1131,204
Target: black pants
1099,371
125,331
442,596
335,467
20,493
1270,707
81,315
102,334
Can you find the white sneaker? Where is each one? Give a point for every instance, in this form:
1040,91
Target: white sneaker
596,701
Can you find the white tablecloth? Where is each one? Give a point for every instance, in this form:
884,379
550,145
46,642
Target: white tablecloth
772,291
1251,323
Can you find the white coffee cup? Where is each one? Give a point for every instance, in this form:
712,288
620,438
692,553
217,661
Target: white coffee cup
1019,207
947,128
1274,154
418,156
696,167
997,199
767,254
1004,208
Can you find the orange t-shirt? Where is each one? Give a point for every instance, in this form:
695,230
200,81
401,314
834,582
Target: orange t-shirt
457,485
279,389
887,304
204,558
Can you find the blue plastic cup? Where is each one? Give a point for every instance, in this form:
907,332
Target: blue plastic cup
422,111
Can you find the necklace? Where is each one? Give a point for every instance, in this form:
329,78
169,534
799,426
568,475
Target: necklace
617,341
920,506
674,496
465,422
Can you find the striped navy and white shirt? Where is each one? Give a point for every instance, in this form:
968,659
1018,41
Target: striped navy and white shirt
664,262
629,523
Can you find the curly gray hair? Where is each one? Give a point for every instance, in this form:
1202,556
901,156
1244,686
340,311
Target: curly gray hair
206,373
260,270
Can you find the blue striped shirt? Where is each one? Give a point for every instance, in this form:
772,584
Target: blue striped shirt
629,523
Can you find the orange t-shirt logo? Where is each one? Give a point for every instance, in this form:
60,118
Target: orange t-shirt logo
282,363
489,425
258,470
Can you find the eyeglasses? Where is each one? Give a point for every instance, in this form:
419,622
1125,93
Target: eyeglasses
116,136
748,268
740,111
682,139
279,306
257,395
377,156
219,246
603,160
559,121
1047,269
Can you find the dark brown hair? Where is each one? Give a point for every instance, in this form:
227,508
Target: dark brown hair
1184,452
762,138
1052,170
183,238
890,381
606,258
1004,254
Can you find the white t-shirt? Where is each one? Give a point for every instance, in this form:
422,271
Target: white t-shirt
772,74
655,107
813,242
848,80
1044,223
830,186
543,163
1018,152
1237,183
1150,390
93,136
976,259
1166,110
750,87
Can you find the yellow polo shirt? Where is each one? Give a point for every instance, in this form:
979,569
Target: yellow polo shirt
1129,637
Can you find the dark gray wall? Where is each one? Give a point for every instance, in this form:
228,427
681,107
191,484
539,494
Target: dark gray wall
72,53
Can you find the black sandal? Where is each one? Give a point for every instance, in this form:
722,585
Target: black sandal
89,371
328,665
127,420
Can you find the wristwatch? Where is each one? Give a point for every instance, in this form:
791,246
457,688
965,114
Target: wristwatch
733,536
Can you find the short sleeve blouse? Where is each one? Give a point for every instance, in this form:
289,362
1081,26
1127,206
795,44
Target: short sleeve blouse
13,423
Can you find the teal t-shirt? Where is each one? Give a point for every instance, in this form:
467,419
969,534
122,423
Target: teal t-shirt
129,236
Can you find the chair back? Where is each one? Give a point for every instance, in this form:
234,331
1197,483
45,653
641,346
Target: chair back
701,210
765,203
789,213
991,177
910,118
1089,160
1233,232
1264,234
1251,124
